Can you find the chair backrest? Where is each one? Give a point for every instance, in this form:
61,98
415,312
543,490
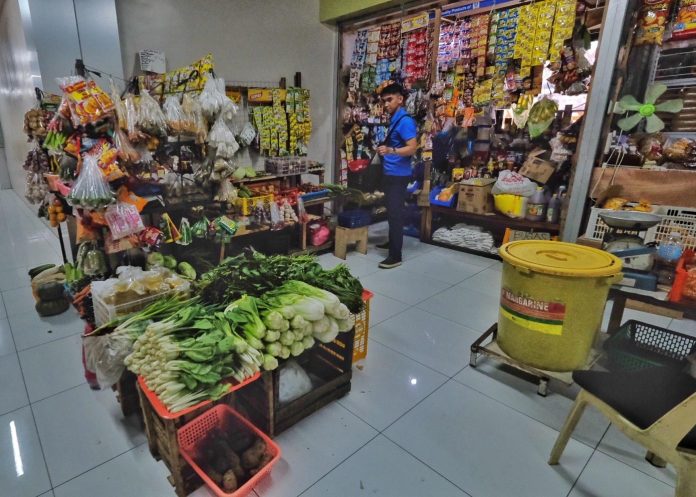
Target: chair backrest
676,424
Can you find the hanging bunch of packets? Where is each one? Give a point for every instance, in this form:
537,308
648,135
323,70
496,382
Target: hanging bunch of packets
357,61
279,139
534,33
369,72
562,27
297,108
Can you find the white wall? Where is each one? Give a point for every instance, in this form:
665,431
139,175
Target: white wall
16,89
251,40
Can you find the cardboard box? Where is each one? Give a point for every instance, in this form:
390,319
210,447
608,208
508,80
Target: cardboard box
475,199
538,169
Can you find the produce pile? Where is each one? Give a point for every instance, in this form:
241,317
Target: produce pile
231,458
188,350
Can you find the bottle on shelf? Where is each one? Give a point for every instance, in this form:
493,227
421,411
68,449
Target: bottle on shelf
553,210
536,206
671,249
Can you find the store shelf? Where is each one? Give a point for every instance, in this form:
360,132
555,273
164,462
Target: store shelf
464,249
317,201
497,220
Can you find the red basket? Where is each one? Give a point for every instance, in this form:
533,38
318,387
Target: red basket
680,277
165,413
220,416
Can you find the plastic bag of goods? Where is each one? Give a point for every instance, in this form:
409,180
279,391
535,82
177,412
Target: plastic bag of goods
91,190
541,116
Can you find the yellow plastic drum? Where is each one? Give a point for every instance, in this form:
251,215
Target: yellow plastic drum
552,301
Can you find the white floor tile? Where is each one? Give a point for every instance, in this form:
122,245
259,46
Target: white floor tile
382,308
485,448
22,468
312,448
7,345
605,476
470,308
412,247
19,301
487,282
442,267
383,468
13,394
3,311
619,446
403,285
388,384
476,260
14,278
429,339
360,265
81,429
52,367
30,329
130,474
686,326
48,494
500,383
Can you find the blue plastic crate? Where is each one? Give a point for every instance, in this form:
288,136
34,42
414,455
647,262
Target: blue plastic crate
313,195
434,201
354,218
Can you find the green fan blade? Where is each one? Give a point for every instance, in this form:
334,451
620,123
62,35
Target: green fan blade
630,122
654,124
627,102
654,92
670,106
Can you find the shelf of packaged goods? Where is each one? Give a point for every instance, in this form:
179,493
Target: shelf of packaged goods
497,220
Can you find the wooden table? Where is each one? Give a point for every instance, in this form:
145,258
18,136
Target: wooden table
625,297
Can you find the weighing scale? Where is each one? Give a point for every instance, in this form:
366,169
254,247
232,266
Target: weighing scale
624,241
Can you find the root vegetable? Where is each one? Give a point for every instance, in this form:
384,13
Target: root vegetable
251,458
229,481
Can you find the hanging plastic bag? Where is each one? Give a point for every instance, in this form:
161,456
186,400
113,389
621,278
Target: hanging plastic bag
211,99
186,234
91,190
176,122
194,123
119,106
222,138
123,220
126,151
541,116
151,119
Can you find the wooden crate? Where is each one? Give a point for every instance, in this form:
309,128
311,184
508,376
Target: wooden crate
163,443
329,366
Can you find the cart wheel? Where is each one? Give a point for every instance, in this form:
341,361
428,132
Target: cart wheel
472,359
543,388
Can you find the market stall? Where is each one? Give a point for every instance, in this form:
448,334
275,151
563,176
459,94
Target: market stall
165,188
498,90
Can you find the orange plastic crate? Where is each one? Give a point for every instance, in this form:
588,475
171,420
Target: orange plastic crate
224,417
362,324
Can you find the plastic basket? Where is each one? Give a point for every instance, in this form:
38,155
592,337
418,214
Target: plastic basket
223,417
681,275
165,413
362,325
675,219
103,312
639,345
434,201
314,195
597,228
246,204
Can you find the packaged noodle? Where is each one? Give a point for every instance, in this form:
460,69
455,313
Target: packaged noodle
685,23
652,20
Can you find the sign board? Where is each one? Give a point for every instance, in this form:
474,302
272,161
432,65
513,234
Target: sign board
415,22
152,61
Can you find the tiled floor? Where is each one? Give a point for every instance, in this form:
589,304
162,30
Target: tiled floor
418,421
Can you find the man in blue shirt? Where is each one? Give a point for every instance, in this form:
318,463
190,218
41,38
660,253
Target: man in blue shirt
400,145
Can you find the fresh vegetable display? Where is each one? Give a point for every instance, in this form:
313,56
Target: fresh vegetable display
254,273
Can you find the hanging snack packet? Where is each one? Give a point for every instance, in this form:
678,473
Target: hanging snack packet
91,190
87,102
171,234
151,119
685,23
176,122
200,228
123,220
119,106
185,230
652,20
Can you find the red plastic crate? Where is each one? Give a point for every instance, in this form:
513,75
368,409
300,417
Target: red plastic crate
680,277
165,413
221,416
